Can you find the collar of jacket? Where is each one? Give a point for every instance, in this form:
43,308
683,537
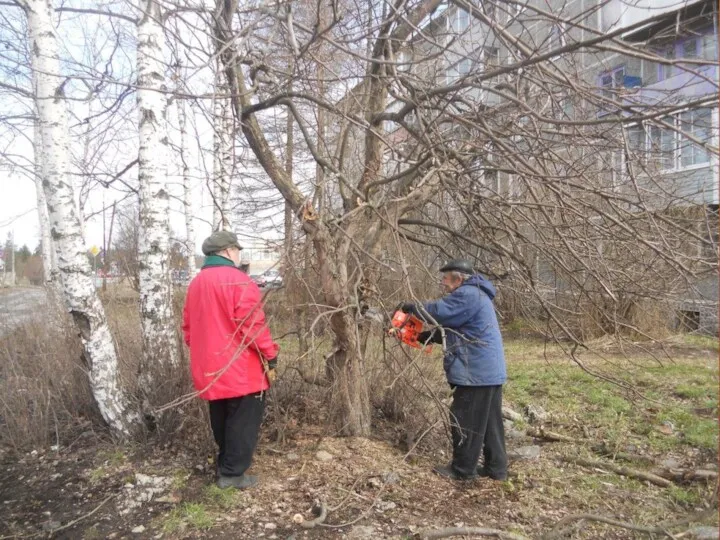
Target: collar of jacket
217,260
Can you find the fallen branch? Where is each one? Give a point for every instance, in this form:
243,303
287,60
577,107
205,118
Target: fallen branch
469,531
509,414
684,475
560,528
541,433
603,450
625,471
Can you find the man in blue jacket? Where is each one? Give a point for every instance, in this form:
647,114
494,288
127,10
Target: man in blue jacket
475,368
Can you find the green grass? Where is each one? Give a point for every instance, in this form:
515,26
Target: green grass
701,342
683,392
188,515
223,498
684,496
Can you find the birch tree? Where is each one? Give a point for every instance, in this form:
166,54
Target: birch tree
160,346
46,247
75,274
190,244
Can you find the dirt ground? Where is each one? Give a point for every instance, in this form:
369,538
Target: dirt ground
89,488
95,490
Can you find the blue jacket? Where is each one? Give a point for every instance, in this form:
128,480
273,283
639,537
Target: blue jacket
474,349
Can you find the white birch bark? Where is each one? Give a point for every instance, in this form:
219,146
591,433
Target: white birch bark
160,347
73,266
187,191
46,246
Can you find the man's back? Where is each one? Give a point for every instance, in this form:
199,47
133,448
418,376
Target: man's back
224,326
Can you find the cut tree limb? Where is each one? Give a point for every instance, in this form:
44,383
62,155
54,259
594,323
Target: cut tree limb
541,433
469,531
625,471
509,414
684,475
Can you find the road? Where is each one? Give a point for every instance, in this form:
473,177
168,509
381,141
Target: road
18,305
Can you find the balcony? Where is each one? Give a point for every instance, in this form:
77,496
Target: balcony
681,86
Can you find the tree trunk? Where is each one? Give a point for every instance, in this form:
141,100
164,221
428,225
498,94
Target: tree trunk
46,247
73,267
160,345
350,401
223,156
187,192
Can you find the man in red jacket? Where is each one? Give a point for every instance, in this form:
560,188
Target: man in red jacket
232,355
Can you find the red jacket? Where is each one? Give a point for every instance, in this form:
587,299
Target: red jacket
224,326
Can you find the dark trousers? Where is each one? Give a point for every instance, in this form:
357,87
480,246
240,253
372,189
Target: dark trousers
235,425
477,426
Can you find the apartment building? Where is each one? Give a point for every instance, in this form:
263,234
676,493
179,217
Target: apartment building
664,161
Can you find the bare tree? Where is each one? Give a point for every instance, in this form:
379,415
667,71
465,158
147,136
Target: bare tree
478,129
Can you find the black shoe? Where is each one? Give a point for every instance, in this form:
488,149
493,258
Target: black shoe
481,472
447,471
238,482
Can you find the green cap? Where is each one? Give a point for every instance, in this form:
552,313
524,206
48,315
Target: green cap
218,241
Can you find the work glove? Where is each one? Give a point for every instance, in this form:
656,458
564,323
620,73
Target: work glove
270,370
407,307
430,336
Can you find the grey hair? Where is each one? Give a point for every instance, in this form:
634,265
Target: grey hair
458,275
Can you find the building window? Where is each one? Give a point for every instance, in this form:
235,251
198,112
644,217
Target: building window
491,180
709,47
637,143
690,49
459,70
461,21
611,81
665,71
662,146
667,149
695,123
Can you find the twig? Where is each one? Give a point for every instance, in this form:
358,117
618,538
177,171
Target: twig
420,438
75,521
469,531
541,433
559,528
372,505
625,471
349,494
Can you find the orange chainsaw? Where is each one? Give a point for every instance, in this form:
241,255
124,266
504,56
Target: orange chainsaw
407,328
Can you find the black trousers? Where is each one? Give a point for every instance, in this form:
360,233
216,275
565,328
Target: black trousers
477,426
235,425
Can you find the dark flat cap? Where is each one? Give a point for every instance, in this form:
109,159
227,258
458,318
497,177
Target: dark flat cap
459,265
218,241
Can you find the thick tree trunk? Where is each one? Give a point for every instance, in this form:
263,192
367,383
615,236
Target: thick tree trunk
187,192
160,344
73,267
350,401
